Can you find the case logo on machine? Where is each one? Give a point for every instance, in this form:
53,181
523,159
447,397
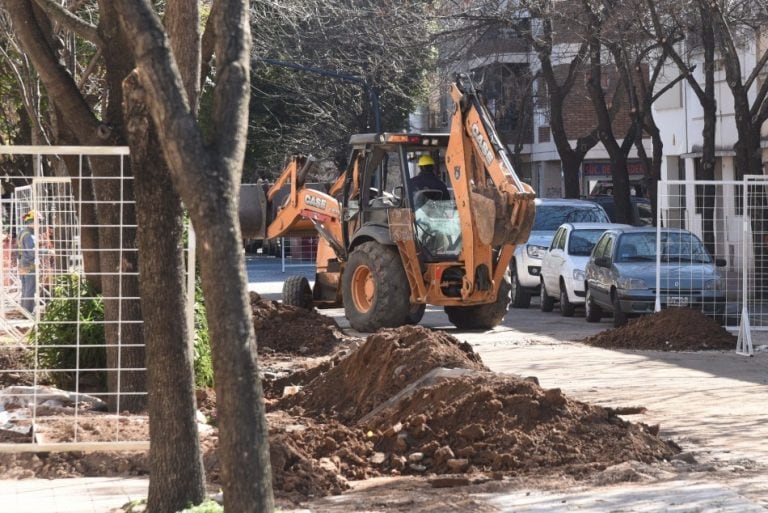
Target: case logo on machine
482,144
316,202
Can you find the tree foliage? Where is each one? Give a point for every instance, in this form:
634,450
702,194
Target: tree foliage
384,43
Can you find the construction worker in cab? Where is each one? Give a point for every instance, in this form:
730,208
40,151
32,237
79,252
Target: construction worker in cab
26,244
427,179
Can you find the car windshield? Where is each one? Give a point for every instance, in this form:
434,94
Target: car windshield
582,242
681,247
549,217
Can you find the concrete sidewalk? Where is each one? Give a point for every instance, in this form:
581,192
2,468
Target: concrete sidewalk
76,495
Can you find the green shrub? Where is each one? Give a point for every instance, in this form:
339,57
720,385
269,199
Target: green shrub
74,315
202,347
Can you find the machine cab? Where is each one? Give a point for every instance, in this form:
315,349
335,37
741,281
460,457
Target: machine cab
384,167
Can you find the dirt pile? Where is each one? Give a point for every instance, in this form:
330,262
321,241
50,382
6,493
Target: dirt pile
455,422
293,330
13,361
390,360
489,422
673,329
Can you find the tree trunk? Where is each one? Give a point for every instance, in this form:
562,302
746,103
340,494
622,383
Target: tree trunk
709,105
175,461
571,162
208,179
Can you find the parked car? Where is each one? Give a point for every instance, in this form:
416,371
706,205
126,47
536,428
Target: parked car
562,268
621,274
526,262
642,214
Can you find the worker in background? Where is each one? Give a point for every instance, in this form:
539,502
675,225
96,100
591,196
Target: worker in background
26,245
428,178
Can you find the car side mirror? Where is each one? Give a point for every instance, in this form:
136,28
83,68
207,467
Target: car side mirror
603,261
721,262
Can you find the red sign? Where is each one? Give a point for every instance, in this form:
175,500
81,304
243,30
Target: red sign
604,168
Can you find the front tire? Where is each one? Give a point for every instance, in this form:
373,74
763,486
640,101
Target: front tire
297,292
593,313
520,298
546,302
566,307
482,317
375,288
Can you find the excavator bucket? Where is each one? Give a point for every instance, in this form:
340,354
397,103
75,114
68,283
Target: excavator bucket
253,211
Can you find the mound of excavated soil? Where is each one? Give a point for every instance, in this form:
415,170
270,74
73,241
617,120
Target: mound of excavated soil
390,360
289,329
673,329
502,423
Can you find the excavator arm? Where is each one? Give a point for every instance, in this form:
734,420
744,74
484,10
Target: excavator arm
495,207
304,209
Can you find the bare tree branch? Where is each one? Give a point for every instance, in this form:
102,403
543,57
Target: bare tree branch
70,21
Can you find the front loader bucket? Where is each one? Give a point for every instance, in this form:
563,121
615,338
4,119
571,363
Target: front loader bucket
253,211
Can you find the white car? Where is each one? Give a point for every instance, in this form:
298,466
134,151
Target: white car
562,268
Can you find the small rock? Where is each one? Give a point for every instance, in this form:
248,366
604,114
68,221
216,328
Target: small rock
417,468
532,379
472,432
378,458
443,454
393,430
418,420
457,465
400,443
448,482
554,397
415,457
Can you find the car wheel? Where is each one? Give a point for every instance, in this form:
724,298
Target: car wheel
619,317
566,307
593,313
547,303
520,298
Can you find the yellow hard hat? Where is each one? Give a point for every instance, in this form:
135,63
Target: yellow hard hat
29,216
426,160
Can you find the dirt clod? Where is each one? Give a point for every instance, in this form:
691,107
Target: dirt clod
673,329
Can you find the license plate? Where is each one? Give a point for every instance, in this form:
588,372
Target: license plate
677,301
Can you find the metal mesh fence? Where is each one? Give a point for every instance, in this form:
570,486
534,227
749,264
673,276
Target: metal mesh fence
298,251
72,352
723,268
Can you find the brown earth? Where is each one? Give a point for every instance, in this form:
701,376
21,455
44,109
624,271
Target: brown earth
390,360
344,423
293,330
673,329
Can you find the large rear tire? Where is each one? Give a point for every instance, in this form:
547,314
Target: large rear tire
482,317
375,288
297,292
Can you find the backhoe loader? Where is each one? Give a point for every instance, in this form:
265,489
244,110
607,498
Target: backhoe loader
387,250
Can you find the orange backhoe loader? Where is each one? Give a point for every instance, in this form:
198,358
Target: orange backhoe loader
386,249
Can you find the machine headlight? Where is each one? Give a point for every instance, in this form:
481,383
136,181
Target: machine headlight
578,275
536,251
631,283
712,285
